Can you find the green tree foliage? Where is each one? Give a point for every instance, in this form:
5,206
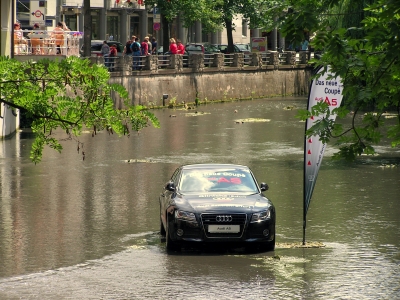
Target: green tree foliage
360,41
71,95
189,12
251,10
213,15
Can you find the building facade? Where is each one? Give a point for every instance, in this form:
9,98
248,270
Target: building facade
118,20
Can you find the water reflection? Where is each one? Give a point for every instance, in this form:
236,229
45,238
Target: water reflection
88,229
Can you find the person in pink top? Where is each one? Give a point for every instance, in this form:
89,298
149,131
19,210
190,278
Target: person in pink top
173,48
181,48
145,47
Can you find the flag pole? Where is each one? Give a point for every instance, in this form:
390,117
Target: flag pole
304,186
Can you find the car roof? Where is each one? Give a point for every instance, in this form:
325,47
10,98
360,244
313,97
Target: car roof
194,46
213,166
101,42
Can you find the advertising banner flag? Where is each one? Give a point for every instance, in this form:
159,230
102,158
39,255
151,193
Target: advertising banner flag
329,91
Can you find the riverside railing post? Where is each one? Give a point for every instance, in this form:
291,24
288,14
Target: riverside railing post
291,58
273,59
176,62
238,60
196,61
256,60
304,57
218,61
151,63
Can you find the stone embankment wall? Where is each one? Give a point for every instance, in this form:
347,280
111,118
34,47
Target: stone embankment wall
9,121
148,89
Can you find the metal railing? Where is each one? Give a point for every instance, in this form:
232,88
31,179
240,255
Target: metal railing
208,59
138,62
247,59
228,59
163,61
266,60
152,63
44,42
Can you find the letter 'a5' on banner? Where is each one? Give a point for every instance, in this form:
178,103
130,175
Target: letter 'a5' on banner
329,91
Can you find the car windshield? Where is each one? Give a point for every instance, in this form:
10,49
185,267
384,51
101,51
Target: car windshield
211,48
96,47
222,47
243,47
194,48
217,180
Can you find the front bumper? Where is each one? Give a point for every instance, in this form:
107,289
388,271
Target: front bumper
259,232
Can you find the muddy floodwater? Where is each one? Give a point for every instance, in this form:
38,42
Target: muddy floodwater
89,229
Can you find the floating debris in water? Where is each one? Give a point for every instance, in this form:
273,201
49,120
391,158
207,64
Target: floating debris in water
300,245
385,115
290,107
134,160
252,120
197,113
138,247
375,154
388,166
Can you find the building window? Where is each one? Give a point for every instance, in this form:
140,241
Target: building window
23,13
113,28
71,22
134,26
95,28
244,27
150,27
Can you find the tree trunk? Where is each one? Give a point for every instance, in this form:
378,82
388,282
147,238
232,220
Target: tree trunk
87,28
229,35
165,31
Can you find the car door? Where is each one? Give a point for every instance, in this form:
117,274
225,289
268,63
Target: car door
166,196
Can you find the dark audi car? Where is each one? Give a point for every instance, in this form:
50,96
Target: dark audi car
216,203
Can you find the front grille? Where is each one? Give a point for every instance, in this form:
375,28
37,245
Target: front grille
237,219
223,219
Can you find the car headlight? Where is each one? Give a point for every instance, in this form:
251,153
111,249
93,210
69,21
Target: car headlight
185,216
260,216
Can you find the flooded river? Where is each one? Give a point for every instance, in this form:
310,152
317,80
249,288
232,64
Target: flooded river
89,229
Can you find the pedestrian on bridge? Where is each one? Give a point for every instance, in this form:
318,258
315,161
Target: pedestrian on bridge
136,54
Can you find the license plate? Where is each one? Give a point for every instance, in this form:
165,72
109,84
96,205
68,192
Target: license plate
223,228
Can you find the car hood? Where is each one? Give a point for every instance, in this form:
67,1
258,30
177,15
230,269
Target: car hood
222,202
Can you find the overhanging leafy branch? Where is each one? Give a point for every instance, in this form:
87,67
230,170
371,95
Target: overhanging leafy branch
70,95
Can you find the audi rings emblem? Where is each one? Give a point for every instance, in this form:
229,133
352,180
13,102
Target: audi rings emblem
223,218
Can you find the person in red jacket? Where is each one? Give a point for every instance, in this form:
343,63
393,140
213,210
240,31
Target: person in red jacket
112,57
145,47
173,48
181,48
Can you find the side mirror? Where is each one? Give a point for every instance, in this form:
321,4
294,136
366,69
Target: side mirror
263,186
170,186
